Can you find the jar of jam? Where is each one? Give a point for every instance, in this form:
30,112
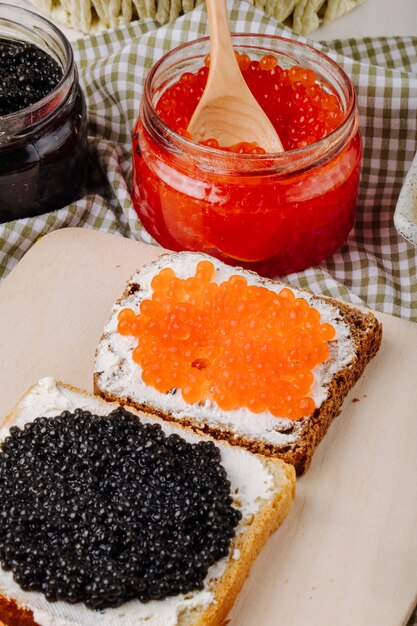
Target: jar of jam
43,122
274,213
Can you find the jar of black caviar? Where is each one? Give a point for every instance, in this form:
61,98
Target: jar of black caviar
43,122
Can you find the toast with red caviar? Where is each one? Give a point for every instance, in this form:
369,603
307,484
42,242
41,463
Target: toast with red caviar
261,490
223,351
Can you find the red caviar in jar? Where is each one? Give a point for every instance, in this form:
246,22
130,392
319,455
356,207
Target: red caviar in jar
259,353
301,110
275,214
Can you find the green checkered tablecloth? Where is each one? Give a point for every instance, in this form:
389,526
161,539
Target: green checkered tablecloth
376,267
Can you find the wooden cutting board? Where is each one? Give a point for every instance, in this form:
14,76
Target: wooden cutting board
347,553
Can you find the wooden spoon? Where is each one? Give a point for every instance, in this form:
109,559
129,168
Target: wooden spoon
227,110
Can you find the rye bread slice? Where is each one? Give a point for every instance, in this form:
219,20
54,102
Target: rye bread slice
361,333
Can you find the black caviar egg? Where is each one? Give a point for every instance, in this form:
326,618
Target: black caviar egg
102,510
27,74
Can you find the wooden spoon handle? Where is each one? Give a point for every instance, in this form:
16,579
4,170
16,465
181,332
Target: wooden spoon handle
227,110
221,47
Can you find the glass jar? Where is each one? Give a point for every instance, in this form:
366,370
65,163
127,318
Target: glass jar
43,147
274,213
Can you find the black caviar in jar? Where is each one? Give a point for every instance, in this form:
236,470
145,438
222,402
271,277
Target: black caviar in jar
27,74
43,122
102,510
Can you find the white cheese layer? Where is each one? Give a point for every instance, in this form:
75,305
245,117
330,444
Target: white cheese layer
251,486
119,375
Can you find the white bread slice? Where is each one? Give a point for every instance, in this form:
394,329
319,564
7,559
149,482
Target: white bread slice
117,377
263,489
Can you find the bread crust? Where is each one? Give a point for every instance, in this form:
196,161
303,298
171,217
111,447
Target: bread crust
13,615
366,335
249,543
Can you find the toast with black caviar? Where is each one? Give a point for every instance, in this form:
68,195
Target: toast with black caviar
223,351
117,518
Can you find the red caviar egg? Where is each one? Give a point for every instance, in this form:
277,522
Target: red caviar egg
244,62
125,314
236,344
268,62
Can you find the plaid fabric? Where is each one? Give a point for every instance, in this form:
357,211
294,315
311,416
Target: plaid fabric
375,267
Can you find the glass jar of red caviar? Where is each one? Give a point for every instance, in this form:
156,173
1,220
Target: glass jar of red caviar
275,213
43,117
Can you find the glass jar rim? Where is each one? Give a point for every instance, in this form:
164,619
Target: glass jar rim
9,15
298,156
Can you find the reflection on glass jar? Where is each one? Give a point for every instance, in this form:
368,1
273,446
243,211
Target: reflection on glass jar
274,213
43,146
